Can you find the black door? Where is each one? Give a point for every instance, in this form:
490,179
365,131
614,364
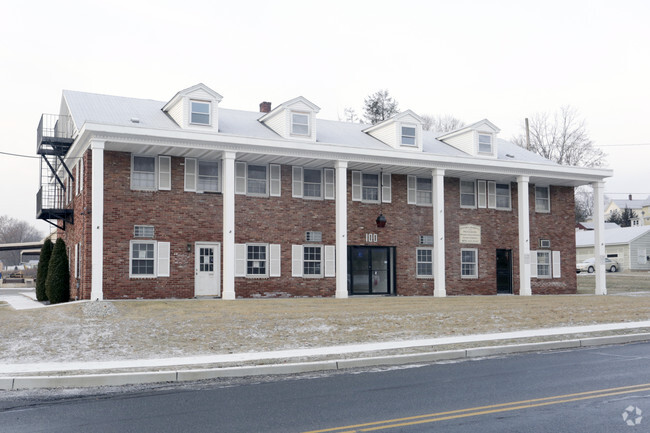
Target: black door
504,271
370,270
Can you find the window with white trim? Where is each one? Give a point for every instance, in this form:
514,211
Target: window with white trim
300,123
543,199
312,261
419,190
312,183
199,113
370,187
485,143
257,180
467,193
408,135
503,200
256,260
469,263
208,177
143,259
143,172
543,264
424,262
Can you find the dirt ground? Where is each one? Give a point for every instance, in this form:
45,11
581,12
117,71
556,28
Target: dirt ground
118,330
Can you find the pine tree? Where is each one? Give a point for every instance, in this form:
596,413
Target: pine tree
43,265
57,284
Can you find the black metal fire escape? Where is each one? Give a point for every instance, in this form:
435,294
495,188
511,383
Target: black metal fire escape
53,141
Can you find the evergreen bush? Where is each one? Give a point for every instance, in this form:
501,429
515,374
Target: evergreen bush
57,284
41,273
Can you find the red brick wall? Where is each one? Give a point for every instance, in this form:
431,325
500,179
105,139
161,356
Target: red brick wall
183,218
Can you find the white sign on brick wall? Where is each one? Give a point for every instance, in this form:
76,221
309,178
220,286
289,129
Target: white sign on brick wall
470,234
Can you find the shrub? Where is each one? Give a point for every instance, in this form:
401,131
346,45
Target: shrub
57,284
41,274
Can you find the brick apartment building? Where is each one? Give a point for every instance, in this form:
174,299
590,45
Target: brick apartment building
187,198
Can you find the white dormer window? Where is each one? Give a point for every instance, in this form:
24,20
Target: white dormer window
408,135
300,123
485,143
200,113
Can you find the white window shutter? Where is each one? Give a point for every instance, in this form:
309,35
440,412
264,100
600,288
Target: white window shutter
386,193
481,194
642,257
556,264
328,174
76,260
240,260
190,174
275,255
533,264
240,178
330,261
164,252
275,189
492,195
76,179
165,173
296,182
296,260
81,174
411,183
356,186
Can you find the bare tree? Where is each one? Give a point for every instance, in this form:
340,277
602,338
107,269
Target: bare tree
584,203
379,106
441,123
15,231
562,137
350,115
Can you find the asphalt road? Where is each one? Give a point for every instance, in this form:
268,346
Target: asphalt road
586,390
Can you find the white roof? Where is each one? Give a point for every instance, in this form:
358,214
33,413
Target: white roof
631,204
623,235
118,111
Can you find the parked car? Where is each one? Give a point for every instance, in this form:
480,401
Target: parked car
588,265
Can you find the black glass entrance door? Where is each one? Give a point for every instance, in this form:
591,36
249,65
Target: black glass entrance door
370,270
504,271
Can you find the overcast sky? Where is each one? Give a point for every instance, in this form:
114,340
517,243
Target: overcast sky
501,60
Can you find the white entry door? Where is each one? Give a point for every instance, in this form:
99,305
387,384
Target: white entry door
207,269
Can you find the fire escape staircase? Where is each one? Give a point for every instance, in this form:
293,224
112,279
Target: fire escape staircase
54,138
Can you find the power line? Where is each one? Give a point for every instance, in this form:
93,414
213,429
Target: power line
19,156
622,145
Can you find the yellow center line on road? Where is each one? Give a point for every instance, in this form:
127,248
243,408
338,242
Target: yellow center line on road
484,410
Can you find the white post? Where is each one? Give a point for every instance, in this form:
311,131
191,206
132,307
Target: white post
341,229
228,194
524,236
599,237
439,288
97,218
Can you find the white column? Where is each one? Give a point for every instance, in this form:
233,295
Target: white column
524,236
341,229
599,237
439,288
97,219
228,194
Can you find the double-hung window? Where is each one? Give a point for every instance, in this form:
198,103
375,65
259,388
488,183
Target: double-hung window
370,187
312,183
312,261
300,123
143,172
503,196
542,199
143,259
543,264
256,260
419,190
424,262
469,263
485,143
467,193
256,182
200,113
408,135
208,176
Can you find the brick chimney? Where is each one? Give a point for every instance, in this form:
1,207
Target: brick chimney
630,197
265,107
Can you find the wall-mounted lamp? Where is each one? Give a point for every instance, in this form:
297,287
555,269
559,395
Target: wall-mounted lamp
381,220
189,248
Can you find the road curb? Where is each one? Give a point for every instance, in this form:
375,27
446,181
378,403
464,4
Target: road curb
133,378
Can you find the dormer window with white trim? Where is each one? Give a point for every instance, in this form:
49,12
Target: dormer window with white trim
408,135
199,113
299,123
485,143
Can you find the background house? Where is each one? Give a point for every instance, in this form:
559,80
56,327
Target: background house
640,206
630,246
